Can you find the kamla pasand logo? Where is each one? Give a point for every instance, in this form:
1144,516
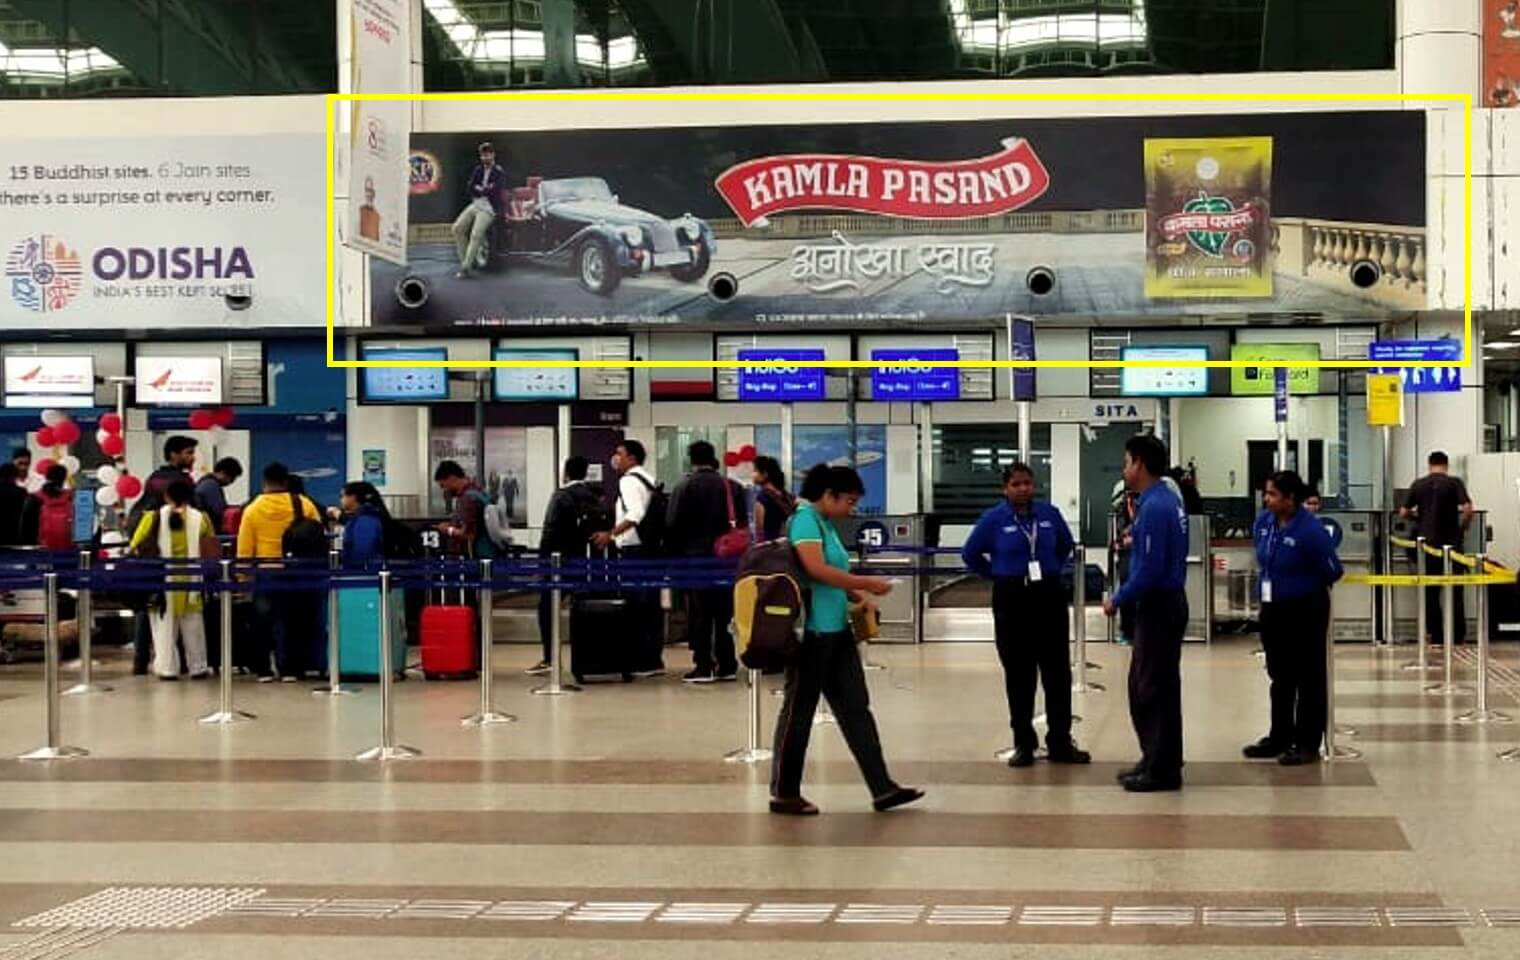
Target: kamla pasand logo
43,273
1209,222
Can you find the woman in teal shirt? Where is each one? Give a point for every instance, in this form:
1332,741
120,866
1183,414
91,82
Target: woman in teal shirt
828,663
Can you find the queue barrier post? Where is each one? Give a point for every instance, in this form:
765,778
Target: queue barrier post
334,686
226,713
487,715
1080,683
1421,662
752,752
1333,750
1448,684
388,749
556,687
1482,713
55,748
85,617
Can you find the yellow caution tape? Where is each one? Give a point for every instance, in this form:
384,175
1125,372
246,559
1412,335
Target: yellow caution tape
1401,542
1458,580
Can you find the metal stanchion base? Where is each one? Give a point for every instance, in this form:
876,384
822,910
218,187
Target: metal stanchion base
1342,752
823,717
1346,730
55,753
1447,689
1417,666
1088,687
227,716
747,756
555,690
1513,753
335,690
388,753
1003,754
1483,716
490,718
778,692
868,665
86,690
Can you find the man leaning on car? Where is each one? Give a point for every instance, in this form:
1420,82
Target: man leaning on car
488,182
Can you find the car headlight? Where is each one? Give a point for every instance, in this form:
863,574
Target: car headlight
634,236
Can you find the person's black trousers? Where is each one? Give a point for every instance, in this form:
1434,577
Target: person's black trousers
1434,566
1033,629
827,664
712,646
1294,633
1155,682
546,623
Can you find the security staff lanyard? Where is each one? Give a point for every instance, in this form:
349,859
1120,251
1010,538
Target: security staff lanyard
1032,534
1274,538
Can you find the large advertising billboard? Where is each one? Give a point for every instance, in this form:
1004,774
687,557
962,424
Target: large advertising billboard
909,222
155,232
1501,53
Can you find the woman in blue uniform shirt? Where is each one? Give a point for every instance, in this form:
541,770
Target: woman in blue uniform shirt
1023,546
1298,565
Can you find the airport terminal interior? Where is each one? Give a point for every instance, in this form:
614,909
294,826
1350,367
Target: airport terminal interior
462,462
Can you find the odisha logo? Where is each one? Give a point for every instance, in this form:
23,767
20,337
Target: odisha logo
426,172
43,273
171,263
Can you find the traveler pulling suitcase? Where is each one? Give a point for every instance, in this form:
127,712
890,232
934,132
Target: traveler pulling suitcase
599,638
449,639
359,634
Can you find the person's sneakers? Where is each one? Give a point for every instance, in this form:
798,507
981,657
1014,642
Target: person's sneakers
793,807
1129,772
727,676
539,669
699,676
1070,753
1297,758
1125,640
898,797
1264,749
164,678
289,679
267,678
647,674
461,274
1022,757
1150,783
203,675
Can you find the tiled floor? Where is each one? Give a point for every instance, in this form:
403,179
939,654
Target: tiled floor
607,823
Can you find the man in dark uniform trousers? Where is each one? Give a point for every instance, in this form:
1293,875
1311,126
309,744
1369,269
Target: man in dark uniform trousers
1158,576
1022,546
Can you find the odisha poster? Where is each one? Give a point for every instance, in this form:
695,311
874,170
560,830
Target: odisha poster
1208,217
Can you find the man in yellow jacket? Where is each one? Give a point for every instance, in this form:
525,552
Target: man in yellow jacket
261,536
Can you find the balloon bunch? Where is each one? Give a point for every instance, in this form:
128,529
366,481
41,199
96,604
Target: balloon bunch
109,437
217,419
116,486
741,462
57,432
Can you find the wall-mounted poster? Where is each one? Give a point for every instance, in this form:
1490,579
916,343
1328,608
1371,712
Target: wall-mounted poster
908,223
374,467
506,469
1501,53
1208,217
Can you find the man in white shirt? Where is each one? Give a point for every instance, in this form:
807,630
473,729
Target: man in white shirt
636,494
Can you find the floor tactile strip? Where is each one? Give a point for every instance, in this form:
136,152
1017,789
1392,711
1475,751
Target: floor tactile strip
1152,917
1245,917
1428,917
702,913
613,912
788,913
528,911
970,916
144,908
1338,917
1061,916
358,908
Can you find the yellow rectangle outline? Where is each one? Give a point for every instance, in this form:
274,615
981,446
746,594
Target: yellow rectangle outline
331,100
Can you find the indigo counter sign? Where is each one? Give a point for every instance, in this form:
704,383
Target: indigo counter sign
1422,379
912,376
784,383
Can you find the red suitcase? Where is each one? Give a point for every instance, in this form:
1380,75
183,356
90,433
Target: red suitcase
449,641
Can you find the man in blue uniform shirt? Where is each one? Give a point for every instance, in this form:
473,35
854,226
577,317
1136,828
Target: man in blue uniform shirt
1022,546
1158,576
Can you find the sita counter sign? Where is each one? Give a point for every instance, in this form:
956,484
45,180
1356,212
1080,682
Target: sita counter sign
782,383
913,377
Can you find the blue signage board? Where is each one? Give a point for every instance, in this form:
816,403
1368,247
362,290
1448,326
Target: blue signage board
1022,348
791,383
1280,394
913,377
1421,379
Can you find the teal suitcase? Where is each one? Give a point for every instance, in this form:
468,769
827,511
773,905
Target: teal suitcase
359,633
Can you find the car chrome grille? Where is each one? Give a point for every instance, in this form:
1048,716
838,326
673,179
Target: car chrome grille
664,236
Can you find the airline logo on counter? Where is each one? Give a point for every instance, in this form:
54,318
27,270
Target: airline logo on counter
908,189
179,380
43,273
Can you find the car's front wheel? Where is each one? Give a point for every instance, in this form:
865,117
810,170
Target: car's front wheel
596,268
698,268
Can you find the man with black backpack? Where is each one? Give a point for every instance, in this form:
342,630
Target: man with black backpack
639,532
577,512
279,524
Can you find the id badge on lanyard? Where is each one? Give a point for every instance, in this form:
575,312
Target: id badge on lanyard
1032,534
1266,575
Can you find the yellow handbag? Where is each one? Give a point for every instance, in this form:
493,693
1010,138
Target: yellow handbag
864,622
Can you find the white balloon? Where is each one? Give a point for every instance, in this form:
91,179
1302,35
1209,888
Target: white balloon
71,464
107,497
100,437
53,417
34,483
108,476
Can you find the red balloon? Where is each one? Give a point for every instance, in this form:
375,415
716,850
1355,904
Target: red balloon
113,446
128,486
202,420
224,416
747,453
43,466
66,433
47,437
111,423
730,459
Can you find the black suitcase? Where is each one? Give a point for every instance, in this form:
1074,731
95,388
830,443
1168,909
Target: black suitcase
600,647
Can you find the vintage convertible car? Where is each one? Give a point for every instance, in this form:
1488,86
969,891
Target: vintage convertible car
578,222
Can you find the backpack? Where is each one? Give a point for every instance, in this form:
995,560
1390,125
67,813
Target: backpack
232,521
305,538
493,514
55,522
399,541
652,528
768,605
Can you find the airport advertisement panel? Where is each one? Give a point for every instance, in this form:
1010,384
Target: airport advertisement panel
882,223
155,232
